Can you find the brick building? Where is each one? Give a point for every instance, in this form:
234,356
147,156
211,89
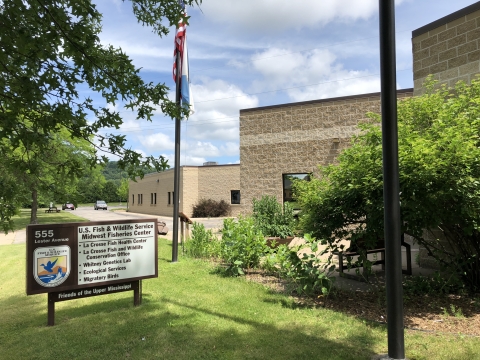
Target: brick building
281,141
448,48
290,140
154,193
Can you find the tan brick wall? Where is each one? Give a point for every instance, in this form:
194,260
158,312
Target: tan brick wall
189,189
149,185
196,182
216,182
296,138
450,52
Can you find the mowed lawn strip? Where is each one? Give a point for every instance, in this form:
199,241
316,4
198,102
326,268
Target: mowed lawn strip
191,313
23,219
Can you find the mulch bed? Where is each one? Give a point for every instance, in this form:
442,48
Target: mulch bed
454,314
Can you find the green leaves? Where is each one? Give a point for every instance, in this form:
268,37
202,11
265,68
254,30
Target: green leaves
439,154
51,50
271,219
243,245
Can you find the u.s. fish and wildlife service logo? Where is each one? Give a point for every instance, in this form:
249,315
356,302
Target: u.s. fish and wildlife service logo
51,265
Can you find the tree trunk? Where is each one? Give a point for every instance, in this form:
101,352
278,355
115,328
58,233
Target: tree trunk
33,213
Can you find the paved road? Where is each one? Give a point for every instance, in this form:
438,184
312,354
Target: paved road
102,215
19,237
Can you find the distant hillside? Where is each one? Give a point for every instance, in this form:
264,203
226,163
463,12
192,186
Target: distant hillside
112,172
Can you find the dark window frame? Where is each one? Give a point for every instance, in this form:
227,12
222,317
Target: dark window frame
234,193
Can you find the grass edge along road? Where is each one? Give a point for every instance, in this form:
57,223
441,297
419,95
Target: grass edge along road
21,220
191,313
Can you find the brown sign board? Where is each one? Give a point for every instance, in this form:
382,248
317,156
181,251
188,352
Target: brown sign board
80,293
74,256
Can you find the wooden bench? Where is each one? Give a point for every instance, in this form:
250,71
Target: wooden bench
379,248
52,209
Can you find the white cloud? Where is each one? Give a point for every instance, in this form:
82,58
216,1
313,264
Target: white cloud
156,142
232,96
336,89
209,150
311,75
230,149
217,105
185,160
273,15
202,149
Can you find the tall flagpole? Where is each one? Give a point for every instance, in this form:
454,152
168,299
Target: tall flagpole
176,174
391,185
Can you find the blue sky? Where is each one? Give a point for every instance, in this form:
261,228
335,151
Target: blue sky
249,53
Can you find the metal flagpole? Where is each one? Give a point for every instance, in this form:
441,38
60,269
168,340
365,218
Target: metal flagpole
391,186
176,174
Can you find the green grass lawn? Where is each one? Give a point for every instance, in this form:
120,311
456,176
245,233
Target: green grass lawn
188,312
23,219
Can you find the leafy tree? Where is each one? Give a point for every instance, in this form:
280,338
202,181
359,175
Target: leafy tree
110,192
439,163
12,195
111,171
123,190
50,49
90,185
45,174
272,219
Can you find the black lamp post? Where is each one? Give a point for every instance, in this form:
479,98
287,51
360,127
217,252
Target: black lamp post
391,186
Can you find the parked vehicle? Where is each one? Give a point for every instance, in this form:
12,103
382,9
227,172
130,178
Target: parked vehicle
69,206
100,204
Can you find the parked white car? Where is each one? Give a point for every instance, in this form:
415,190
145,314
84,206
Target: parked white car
100,204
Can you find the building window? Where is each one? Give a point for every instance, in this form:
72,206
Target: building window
287,186
151,198
235,196
140,199
169,198
133,199
155,198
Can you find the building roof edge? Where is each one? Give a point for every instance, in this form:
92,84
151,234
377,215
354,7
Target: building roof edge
446,19
342,98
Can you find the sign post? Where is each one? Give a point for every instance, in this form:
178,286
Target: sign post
75,260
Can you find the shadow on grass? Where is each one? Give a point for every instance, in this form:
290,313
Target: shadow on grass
165,328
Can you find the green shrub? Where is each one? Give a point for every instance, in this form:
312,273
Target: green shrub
211,208
306,273
414,286
243,245
271,219
439,172
202,244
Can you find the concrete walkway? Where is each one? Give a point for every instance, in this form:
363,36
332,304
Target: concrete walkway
13,237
